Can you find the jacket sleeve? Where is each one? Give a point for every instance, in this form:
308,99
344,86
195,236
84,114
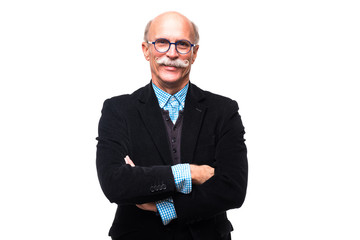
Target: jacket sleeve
227,188
120,182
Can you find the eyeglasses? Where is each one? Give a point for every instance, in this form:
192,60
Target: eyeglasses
163,45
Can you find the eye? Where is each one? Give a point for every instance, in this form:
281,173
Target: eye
162,41
183,44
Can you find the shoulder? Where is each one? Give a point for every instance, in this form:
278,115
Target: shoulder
215,101
125,101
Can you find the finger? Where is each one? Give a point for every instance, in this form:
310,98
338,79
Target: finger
131,163
212,172
128,161
147,207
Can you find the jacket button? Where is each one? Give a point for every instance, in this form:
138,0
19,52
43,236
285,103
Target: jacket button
152,189
163,187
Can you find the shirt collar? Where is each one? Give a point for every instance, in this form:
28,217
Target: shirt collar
163,97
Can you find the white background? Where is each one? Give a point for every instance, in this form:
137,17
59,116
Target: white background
293,67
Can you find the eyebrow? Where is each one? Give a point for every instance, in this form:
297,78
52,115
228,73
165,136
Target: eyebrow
174,41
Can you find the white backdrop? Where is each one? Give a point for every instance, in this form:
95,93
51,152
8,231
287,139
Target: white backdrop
293,67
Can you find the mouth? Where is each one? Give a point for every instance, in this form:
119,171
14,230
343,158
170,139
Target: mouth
170,68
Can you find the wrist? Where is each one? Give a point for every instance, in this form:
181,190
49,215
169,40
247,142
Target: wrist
193,172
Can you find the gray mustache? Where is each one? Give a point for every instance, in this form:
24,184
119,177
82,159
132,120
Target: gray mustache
172,63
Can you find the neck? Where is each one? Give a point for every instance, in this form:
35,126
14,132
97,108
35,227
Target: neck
170,88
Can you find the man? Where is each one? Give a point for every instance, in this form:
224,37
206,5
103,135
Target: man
170,155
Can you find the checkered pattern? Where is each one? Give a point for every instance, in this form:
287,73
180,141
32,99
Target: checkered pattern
166,210
182,176
172,103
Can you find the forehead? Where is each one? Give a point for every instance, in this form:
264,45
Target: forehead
172,28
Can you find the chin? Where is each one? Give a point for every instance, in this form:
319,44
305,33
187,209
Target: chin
171,79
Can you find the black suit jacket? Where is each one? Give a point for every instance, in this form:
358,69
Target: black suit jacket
212,134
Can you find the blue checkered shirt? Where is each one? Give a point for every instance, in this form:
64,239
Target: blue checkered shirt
172,103
182,176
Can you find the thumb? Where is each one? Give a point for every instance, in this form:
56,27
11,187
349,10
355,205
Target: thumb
128,161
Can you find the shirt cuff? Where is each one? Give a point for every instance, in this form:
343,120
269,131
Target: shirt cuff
166,210
182,177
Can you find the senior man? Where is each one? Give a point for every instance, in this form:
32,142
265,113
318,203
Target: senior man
170,155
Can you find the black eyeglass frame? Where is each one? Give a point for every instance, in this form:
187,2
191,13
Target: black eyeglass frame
175,43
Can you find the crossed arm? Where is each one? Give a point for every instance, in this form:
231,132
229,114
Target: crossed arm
211,194
199,175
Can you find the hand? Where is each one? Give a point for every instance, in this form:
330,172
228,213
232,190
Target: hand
147,207
200,174
128,161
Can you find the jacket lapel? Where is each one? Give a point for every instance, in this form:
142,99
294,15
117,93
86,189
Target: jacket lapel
151,115
193,117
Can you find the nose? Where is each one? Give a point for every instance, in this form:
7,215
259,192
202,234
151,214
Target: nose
172,53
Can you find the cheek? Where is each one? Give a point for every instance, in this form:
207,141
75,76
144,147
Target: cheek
153,63
187,70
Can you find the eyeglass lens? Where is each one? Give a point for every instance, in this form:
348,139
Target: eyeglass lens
163,45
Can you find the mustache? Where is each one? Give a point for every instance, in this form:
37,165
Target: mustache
172,63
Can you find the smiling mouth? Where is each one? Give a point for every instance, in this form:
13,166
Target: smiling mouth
169,67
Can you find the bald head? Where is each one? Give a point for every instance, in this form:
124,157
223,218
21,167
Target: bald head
171,18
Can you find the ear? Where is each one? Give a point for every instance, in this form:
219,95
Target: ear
146,50
194,54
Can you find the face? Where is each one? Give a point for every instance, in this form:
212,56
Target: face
173,28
